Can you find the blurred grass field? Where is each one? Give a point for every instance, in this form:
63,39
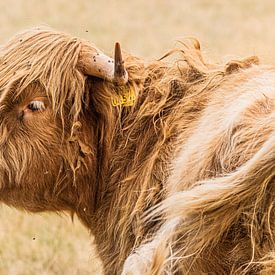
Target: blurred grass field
52,244
44,244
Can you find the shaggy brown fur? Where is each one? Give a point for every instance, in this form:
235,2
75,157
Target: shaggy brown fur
182,182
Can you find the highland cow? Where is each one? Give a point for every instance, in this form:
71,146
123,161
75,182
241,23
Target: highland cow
169,164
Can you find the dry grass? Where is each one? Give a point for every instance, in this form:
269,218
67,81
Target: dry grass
146,28
44,244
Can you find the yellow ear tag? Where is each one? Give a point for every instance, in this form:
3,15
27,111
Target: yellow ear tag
126,97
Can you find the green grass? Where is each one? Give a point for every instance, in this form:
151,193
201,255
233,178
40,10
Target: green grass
145,28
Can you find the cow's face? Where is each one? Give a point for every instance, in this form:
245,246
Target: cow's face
48,122
37,154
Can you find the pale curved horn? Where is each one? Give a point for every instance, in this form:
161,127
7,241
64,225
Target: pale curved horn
95,63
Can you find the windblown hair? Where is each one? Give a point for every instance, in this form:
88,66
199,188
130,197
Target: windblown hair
171,102
183,181
219,214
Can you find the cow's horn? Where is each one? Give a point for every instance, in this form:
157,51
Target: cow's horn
95,63
120,74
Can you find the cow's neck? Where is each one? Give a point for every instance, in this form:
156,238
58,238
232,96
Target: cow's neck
141,155
137,155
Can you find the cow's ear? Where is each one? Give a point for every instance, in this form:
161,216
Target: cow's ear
93,62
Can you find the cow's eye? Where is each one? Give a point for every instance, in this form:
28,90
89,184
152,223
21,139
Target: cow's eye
36,105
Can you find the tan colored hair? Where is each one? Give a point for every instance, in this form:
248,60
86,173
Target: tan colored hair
117,164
